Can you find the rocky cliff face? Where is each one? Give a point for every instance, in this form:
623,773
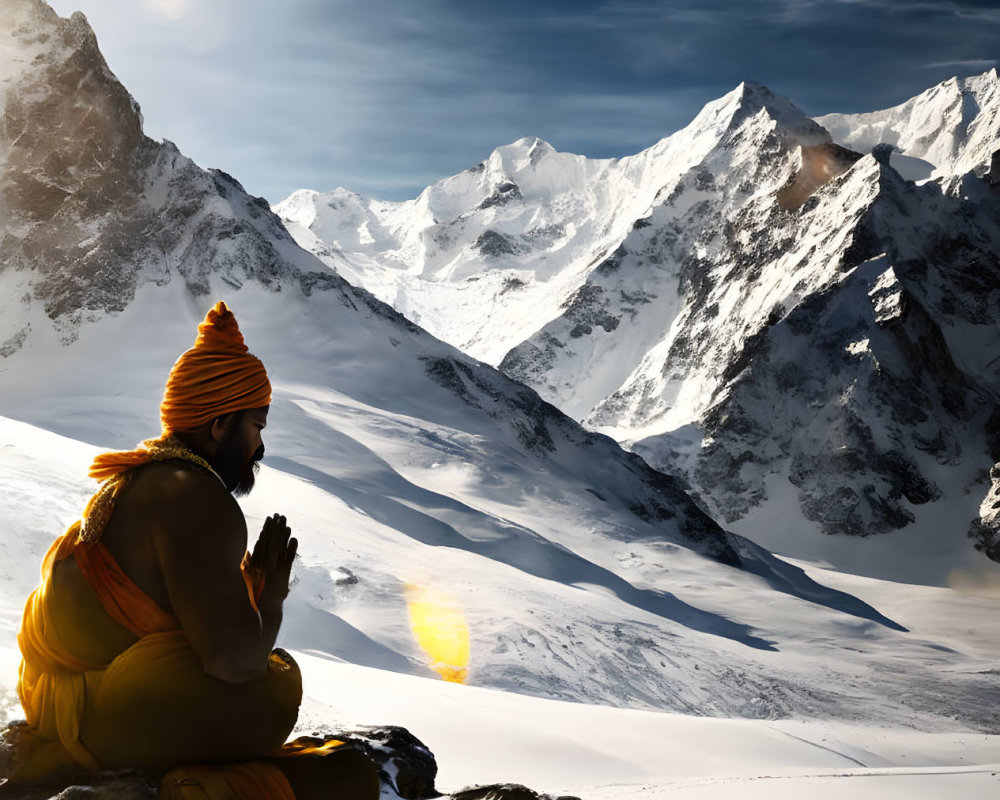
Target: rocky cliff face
838,363
93,208
786,306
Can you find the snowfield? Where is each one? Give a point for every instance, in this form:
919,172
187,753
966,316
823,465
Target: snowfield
361,667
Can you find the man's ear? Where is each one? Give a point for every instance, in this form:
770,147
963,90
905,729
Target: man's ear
219,427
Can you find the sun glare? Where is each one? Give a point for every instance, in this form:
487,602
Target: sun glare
171,9
440,629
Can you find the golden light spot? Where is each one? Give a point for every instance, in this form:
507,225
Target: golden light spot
440,629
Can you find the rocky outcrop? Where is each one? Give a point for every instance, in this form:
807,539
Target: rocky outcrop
986,529
405,764
505,791
406,768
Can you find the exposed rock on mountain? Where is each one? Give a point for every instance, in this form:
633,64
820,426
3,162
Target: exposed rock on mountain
93,209
986,529
758,309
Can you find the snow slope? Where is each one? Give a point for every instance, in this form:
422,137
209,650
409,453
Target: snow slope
878,712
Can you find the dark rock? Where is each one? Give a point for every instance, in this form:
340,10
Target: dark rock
587,309
512,283
505,791
494,245
985,530
882,153
993,434
503,194
404,763
993,176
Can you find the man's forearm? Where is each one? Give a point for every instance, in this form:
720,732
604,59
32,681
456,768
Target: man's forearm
246,660
270,605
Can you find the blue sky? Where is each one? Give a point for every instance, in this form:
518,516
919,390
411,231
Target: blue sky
386,96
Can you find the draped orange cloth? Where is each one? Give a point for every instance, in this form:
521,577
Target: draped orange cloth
231,782
152,706
216,376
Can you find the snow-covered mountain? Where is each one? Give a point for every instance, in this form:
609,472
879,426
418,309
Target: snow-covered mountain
401,461
949,130
777,319
406,466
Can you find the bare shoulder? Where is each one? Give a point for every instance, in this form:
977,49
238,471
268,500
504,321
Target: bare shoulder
181,498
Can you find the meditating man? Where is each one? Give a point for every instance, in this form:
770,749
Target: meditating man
149,642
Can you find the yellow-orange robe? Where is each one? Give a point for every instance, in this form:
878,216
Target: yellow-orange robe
153,706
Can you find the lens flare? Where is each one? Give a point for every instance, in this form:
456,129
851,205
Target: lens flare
440,629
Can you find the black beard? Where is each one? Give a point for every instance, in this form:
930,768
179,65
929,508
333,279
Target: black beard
238,474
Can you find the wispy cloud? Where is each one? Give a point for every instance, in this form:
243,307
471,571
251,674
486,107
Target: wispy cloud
982,64
381,96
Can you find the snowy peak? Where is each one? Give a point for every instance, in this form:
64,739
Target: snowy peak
70,135
66,118
950,129
754,98
514,237
520,155
29,27
750,101
529,169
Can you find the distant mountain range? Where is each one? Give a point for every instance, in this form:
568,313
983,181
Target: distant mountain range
797,318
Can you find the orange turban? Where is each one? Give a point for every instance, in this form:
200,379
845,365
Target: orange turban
217,376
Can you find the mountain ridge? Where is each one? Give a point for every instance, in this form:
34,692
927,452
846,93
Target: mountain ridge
642,333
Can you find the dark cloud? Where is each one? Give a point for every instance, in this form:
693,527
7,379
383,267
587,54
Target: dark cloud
384,97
